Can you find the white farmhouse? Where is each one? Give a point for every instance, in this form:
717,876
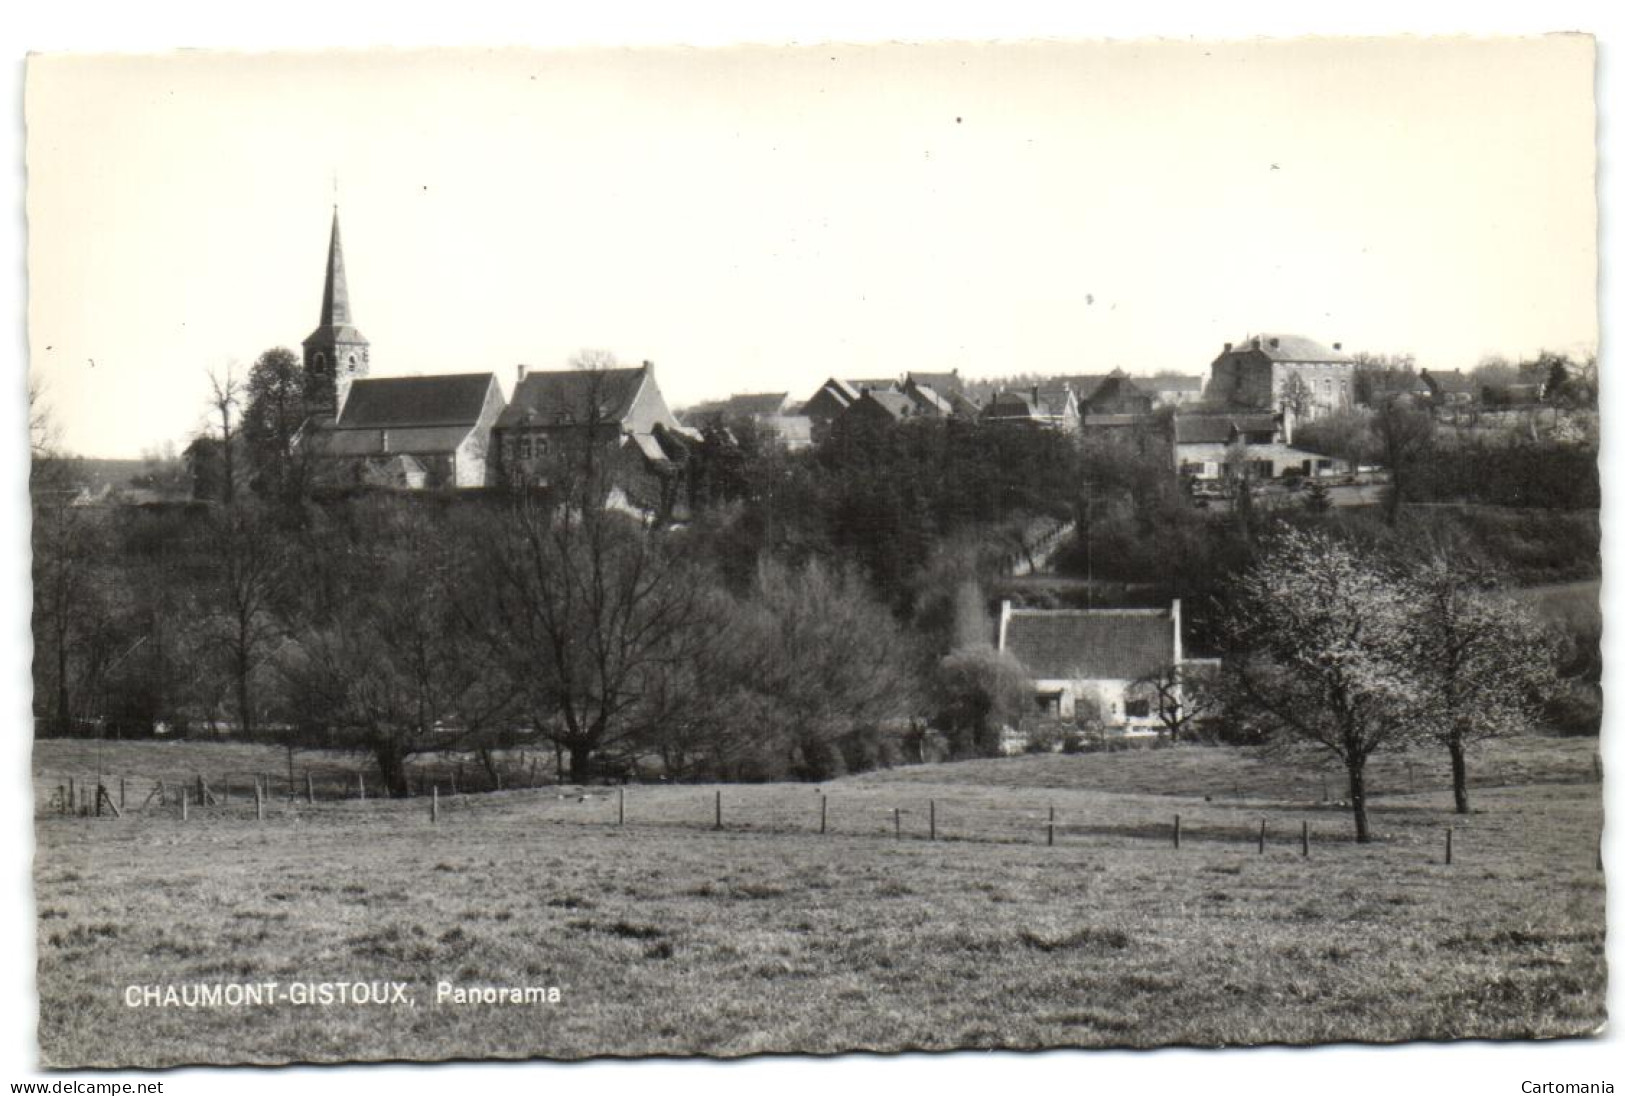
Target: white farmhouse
1095,663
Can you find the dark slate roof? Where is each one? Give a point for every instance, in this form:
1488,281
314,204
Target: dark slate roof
564,397
945,384
1009,405
897,405
1291,348
1084,384
372,440
928,398
1211,428
963,405
1117,386
755,403
1091,644
452,399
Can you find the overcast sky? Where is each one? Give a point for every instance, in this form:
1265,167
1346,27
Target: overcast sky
758,219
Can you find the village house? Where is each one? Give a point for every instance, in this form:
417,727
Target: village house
554,414
1116,394
1205,442
1283,372
1054,408
1097,666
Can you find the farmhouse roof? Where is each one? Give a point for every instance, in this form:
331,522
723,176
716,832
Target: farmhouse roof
1091,644
567,396
944,384
452,399
895,404
1190,429
1290,348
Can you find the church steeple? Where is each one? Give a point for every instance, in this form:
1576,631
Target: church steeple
336,295
335,353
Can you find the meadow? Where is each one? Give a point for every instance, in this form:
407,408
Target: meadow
667,936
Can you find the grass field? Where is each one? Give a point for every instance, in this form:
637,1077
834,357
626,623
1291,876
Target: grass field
667,937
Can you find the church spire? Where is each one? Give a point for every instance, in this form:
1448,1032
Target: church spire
336,354
336,294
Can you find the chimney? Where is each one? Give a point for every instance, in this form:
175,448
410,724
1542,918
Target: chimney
1179,646
1035,397
383,441
1257,344
1337,346
1227,348
522,370
1275,344
1004,621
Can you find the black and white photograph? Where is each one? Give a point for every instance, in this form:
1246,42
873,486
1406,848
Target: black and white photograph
1065,544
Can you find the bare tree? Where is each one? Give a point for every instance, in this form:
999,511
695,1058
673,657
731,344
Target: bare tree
225,399
249,576
1182,701
388,667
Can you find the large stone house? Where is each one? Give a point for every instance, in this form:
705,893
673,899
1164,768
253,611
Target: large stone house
1284,373
1096,665
555,415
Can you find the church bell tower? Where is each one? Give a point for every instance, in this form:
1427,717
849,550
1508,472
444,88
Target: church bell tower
335,353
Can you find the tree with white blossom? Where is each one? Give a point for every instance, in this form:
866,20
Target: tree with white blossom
1321,656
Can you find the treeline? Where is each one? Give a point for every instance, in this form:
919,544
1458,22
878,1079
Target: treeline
401,624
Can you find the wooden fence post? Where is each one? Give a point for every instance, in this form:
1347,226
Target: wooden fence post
434,804
620,808
1176,831
1261,823
823,814
185,796
100,791
259,803
1306,837
933,819
62,798
1449,844
719,810
897,821
1051,837
121,793
310,788
361,785
73,795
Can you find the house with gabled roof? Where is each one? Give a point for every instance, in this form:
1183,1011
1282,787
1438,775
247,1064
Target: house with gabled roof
556,413
1095,665
1117,394
1283,373
1054,407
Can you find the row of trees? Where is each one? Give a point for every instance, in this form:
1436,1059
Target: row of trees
1349,652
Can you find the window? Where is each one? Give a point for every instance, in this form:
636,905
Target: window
541,447
320,359
1137,709
524,448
